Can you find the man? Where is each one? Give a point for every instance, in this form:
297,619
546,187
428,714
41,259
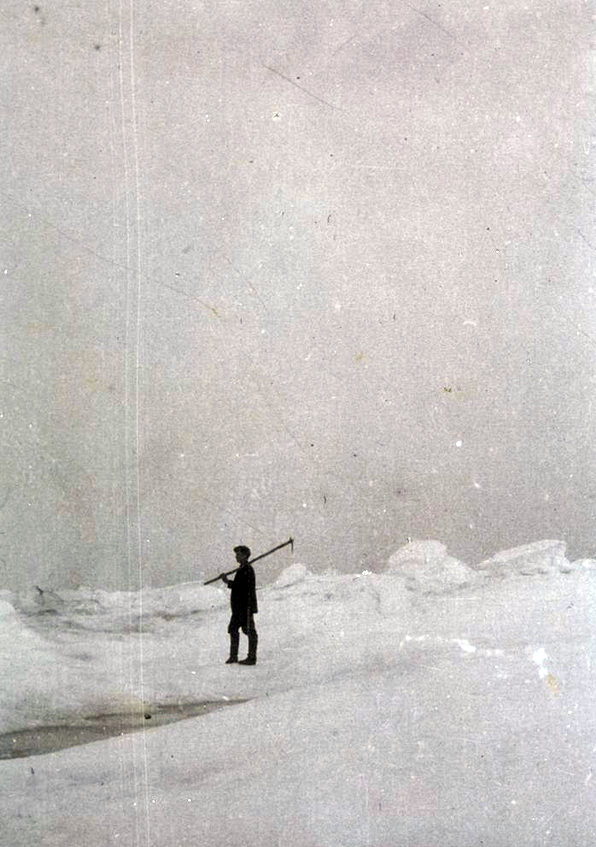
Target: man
243,601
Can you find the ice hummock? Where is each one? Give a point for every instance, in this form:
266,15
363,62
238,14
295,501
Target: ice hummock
541,557
426,566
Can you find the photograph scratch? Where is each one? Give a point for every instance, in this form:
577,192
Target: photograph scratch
431,20
302,88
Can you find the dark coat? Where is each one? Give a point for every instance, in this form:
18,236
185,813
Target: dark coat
243,597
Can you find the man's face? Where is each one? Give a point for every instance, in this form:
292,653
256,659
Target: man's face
241,559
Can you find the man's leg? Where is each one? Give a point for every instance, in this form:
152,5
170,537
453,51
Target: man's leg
234,641
253,640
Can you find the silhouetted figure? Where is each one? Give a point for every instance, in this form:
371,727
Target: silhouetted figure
243,601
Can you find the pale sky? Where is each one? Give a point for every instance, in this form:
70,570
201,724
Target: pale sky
312,269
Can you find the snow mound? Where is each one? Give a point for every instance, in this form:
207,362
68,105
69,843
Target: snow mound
181,600
426,567
540,557
6,610
98,608
292,575
584,564
37,601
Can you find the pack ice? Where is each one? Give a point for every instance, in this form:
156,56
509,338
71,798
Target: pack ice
434,703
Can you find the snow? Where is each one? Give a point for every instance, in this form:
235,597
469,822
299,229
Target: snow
432,704
426,566
541,557
291,575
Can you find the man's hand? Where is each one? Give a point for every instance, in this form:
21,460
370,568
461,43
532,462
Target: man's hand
223,578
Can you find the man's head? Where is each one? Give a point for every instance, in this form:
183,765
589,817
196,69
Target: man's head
242,554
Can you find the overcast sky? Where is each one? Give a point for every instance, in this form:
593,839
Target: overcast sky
321,269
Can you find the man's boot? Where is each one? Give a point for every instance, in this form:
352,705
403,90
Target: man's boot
234,642
251,659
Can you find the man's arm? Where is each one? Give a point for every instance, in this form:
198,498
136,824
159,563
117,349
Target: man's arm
252,592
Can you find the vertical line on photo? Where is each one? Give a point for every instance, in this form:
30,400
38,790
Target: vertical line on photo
131,395
137,364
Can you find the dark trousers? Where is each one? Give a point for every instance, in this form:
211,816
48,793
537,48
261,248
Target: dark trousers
245,622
